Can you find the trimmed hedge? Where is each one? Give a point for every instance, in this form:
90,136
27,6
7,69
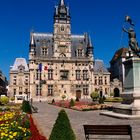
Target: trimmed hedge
26,107
115,99
62,128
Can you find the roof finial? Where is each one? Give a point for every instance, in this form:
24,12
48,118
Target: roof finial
62,2
32,39
90,43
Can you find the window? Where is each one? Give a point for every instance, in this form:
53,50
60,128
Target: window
85,75
79,52
14,91
44,51
95,80
14,81
62,28
38,74
100,81
64,74
26,82
50,74
37,90
50,90
105,81
26,91
78,75
85,90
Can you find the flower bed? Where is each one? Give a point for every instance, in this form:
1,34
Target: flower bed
82,106
16,125
93,107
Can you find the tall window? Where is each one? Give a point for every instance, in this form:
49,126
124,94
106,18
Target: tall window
95,80
14,91
100,81
26,82
105,81
50,74
79,52
85,74
44,51
26,91
64,74
14,81
37,74
50,90
37,90
78,75
85,90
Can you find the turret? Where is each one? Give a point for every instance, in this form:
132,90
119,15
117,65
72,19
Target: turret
89,47
61,14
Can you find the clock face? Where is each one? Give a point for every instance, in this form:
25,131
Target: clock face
62,49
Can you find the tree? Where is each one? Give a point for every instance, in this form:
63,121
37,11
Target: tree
94,96
4,100
62,128
72,103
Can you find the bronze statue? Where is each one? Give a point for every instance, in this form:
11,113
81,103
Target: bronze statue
133,44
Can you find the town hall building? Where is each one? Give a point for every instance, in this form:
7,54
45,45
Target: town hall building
60,63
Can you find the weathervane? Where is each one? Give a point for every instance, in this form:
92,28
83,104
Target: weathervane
133,44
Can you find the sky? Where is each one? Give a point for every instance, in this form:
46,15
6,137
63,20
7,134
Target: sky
102,19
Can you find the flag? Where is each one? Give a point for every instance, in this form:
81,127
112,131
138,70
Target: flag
129,20
40,67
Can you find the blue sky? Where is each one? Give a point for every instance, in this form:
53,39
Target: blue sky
102,19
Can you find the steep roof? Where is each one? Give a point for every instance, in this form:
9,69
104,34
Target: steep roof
20,62
121,53
99,66
46,39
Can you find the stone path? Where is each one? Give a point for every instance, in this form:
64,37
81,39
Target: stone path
48,114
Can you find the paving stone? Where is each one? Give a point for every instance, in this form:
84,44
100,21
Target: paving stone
47,115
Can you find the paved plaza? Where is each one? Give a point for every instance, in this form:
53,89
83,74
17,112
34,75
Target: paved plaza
47,115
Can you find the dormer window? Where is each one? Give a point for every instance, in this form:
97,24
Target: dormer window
80,52
21,68
44,51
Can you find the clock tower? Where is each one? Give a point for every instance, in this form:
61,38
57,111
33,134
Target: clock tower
62,31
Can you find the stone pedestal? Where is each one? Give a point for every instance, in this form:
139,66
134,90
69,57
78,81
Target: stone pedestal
130,107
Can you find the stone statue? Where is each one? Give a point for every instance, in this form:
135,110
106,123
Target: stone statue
133,44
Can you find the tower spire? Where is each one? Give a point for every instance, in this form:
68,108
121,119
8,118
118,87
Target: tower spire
62,2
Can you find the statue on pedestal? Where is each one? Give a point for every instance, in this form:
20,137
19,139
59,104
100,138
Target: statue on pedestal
133,44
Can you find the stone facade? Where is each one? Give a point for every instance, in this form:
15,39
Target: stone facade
19,79
117,66
101,78
60,63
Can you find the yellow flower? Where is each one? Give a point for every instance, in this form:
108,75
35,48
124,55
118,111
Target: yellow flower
2,134
10,136
14,134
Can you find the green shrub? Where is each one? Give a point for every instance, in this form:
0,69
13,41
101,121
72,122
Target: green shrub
27,124
4,100
12,98
26,107
62,128
101,100
112,94
72,103
63,97
115,99
94,96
